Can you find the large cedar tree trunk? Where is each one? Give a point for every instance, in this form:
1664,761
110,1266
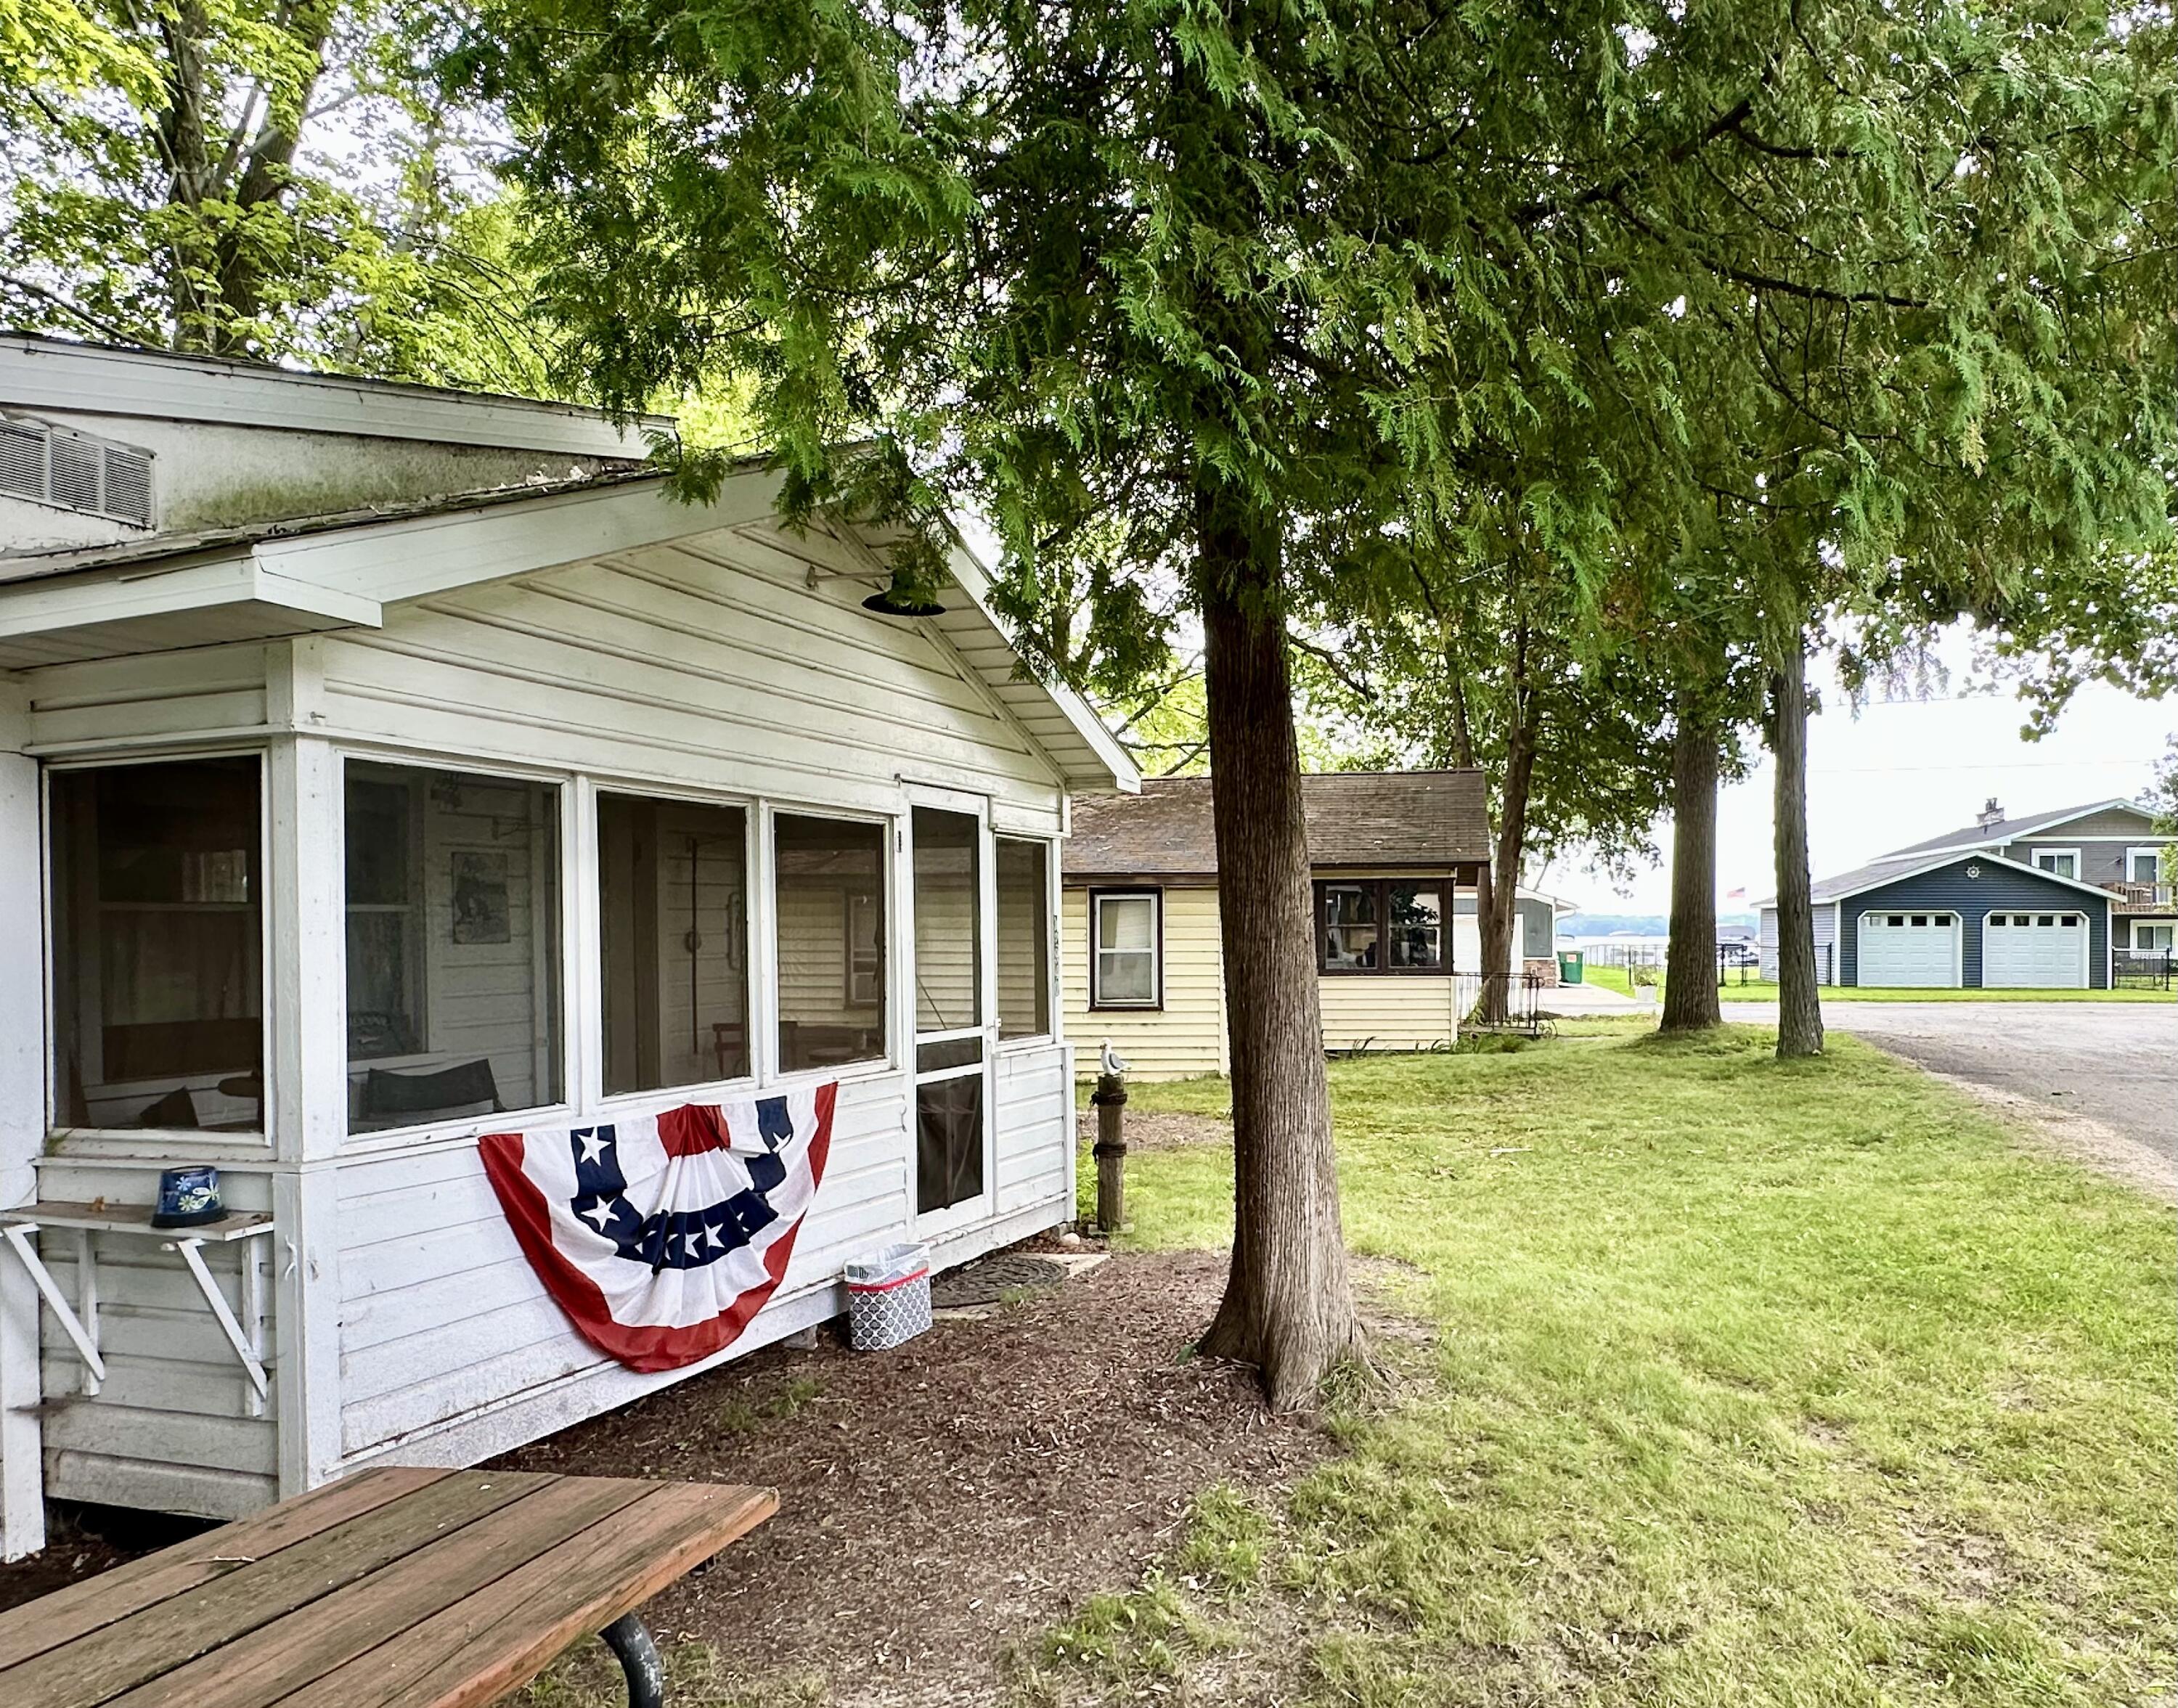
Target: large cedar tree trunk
1690,998
1496,906
1289,1305
1799,999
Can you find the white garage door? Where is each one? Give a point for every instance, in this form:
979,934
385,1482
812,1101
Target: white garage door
2034,951
1909,949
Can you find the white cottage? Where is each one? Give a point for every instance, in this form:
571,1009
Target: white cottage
381,766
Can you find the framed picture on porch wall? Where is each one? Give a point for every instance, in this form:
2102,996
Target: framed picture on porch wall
480,909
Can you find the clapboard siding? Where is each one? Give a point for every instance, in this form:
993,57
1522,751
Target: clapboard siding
1035,1128
421,1340
1187,1035
715,668
1826,957
179,693
175,1400
1991,889
705,668
1387,1011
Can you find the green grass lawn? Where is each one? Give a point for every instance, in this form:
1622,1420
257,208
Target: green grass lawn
1750,1383
1616,978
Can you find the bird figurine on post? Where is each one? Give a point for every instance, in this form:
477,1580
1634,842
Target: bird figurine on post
1110,1098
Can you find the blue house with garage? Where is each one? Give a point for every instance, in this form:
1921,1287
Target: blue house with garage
2069,899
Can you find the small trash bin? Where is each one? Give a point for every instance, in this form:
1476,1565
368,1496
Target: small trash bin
888,1297
1572,963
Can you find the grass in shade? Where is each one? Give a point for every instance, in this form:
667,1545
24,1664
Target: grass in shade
1739,1382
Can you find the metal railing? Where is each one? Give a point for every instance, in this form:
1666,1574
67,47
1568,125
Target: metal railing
1505,1002
2144,969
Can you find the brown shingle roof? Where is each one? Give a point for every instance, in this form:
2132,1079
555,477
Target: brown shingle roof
1418,818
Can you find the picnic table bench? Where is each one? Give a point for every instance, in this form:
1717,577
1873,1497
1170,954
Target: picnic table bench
395,1587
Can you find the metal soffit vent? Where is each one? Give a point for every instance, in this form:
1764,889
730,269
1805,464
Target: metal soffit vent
75,471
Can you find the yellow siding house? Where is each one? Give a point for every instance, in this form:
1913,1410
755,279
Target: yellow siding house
1398,857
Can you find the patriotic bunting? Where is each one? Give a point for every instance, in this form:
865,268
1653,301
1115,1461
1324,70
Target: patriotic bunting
662,1236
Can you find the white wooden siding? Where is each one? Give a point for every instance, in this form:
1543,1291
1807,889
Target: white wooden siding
706,668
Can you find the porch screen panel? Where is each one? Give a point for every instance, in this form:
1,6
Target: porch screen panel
673,900
1024,938
949,925
453,946
831,876
158,926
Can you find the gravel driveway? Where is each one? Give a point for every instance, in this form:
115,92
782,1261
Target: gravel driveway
2115,1063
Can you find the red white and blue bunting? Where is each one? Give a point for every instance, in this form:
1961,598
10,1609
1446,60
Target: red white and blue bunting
662,1236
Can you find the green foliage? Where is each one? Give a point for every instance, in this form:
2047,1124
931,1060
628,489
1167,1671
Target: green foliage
1701,320
246,178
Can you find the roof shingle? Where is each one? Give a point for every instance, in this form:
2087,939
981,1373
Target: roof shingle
1355,819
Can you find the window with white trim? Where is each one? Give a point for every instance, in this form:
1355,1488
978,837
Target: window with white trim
452,903
157,945
2143,865
673,918
2060,863
2152,939
1126,937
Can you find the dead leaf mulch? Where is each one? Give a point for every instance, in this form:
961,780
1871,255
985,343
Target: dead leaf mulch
943,1502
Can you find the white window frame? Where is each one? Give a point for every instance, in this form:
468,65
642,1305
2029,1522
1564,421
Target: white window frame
2141,925
2153,853
896,880
1155,896
2035,857
619,1103
178,1141
580,1000
1054,994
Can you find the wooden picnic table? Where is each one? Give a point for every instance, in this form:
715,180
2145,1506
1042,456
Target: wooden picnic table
395,1587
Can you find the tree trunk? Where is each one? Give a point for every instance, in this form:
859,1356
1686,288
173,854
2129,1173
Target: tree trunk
1799,1000
1496,906
1289,1305
1690,998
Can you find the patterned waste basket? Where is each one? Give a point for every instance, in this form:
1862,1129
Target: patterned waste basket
888,1297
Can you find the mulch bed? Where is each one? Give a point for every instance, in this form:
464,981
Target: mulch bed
941,1502
1160,1130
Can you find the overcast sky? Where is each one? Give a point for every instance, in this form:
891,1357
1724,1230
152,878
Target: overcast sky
1901,771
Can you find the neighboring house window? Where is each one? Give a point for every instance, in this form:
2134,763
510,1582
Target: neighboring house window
2152,939
1382,925
2062,862
1126,936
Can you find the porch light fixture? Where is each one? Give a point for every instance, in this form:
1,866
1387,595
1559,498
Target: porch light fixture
907,596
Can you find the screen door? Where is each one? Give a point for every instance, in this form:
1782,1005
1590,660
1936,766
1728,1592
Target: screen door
952,1034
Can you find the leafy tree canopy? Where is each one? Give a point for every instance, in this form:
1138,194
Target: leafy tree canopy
254,177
